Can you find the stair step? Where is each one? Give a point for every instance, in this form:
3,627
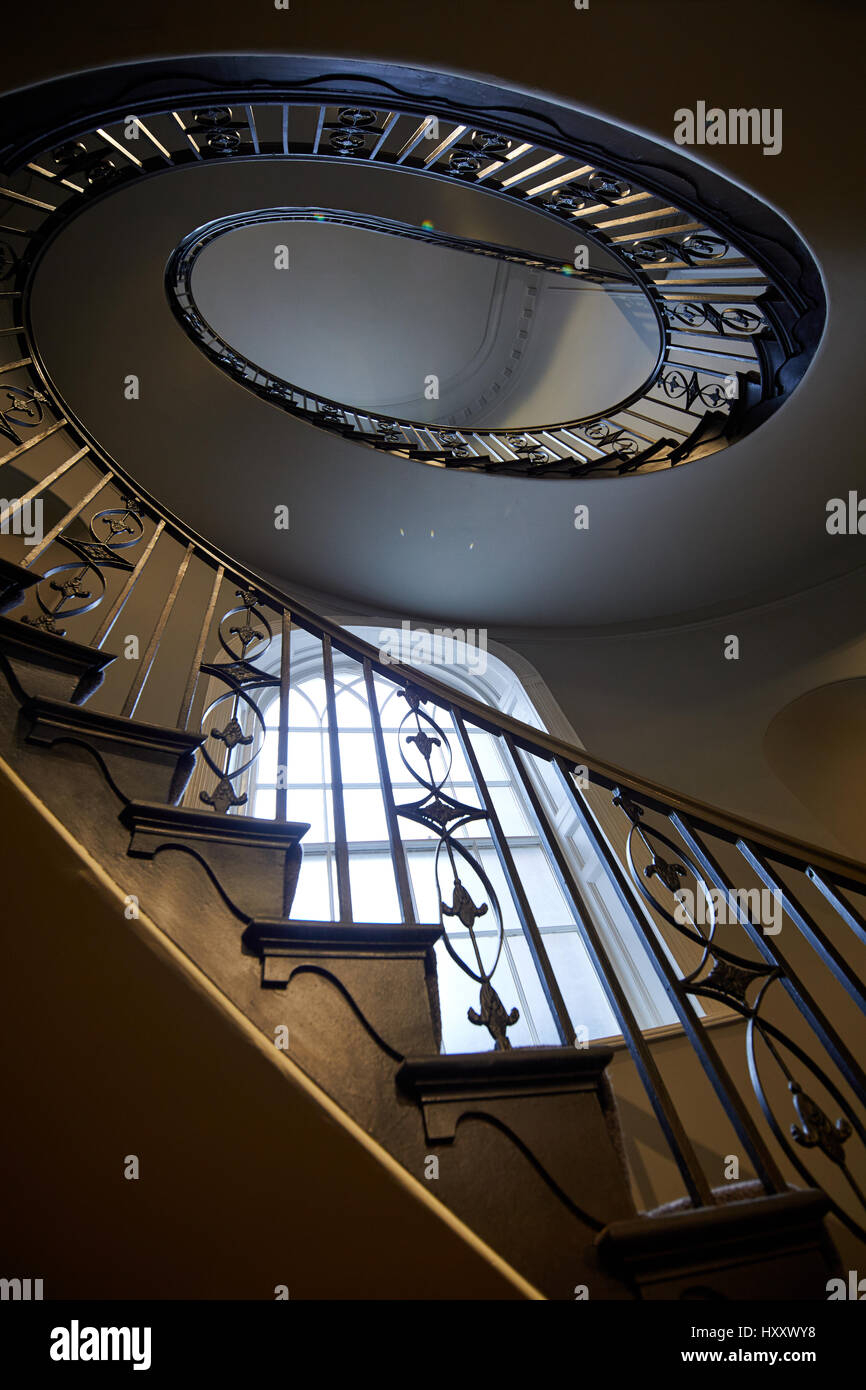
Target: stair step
14,583
146,759
768,1247
387,971
42,663
255,863
528,1142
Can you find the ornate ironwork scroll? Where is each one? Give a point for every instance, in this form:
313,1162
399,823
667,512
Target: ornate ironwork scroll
244,642
21,408
83,588
743,984
437,810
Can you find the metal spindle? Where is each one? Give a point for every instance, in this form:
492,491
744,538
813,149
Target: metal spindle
765,1165
65,520
282,801
119,603
33,441
341,847
192,677
41,486
525,915
664,1109
847,911
132,699
395,840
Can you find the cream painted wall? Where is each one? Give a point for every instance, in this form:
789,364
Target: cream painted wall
667,705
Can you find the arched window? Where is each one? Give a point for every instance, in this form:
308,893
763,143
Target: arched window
371,871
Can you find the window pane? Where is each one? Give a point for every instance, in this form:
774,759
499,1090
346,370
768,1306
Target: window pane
266,763
424,885
308,806
374,890
548,903
534,999
306,703
306,754
265,803
311,899
583,995
365,815
487,752
507,808
351,703
358,758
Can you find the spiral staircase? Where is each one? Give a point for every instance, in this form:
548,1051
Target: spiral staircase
131,773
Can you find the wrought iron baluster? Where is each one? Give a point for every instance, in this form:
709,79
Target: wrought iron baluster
717,1073
119,603
847,911
64,521
282,799
34,439
134,695
341,847
42,486
730,980
436,810
192,677
240,675
398,853
663,1106
91,556
525,915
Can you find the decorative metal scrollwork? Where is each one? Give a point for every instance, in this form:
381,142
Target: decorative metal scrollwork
724,975
24,410
491,144
74,158
122,528
679,385
527,449
611,438
444,816
217,128
744,322
465,161
249,637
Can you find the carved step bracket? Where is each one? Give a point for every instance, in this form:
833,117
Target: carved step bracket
766,1247
555,1101
43,664
254,863
151,761
387,972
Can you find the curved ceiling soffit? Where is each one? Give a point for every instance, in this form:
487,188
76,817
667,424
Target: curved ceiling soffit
740,321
